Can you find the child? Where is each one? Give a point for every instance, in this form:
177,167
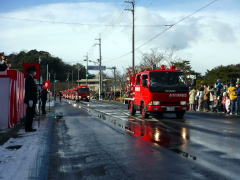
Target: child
224,102
227,104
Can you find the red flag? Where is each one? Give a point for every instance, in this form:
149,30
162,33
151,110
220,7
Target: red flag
47,84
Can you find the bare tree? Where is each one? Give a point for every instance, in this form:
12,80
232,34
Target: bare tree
151,60
121,79
156,58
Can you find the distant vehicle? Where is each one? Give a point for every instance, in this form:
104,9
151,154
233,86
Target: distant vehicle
83,93
158,91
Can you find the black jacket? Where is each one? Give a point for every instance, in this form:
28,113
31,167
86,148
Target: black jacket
30,90
44,94
3,67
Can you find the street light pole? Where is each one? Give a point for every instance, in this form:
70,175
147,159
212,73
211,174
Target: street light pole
100,64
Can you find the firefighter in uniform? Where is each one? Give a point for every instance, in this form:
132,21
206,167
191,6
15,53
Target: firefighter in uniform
30,98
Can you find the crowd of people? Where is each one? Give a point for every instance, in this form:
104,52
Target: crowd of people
218,97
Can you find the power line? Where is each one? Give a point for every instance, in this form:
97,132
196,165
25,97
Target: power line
168,28
77,23
178,22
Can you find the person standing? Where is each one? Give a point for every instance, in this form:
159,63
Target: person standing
232,91
192,95
206,97
219,87
238,99
200,97
60,96
3,64
212,97
44,94
30,98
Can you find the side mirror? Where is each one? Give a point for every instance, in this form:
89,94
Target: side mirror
144,83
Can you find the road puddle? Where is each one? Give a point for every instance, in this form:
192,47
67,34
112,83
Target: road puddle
162,135
158,133
15,147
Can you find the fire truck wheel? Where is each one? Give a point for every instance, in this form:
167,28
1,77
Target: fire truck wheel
143,111
132,109
180,115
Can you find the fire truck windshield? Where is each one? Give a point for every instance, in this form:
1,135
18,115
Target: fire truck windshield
83,90
167,81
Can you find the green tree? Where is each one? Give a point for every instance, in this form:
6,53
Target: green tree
225,73
185,66
56,66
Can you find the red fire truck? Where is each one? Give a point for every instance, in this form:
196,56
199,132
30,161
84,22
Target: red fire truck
158,91
83,93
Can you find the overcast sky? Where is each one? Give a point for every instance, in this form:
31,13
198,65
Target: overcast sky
68,29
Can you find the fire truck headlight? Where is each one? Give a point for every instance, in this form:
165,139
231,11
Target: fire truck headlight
156,103
183,103
88,96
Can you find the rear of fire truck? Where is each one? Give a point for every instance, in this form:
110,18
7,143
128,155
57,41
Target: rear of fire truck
159,91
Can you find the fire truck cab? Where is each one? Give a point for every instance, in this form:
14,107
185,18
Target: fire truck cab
83,93
159,91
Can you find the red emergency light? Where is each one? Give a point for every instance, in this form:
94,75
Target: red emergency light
162,67
173,67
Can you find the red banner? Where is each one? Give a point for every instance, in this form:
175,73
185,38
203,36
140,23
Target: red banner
25,66
47,84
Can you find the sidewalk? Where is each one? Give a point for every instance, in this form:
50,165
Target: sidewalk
8,133
23,155
218,114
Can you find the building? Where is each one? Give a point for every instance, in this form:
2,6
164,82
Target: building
94,83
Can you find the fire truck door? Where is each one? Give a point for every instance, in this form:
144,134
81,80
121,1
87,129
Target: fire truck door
138,96
145,88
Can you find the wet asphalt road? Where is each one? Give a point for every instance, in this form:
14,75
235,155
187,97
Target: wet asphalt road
117,146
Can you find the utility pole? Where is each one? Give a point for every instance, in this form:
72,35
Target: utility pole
54,85
87,69
133,3
49,78
39,89
68,79
39,61
100,64
78,74
47,72
72,78
114,87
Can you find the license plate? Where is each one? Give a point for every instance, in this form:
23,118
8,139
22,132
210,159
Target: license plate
170,109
